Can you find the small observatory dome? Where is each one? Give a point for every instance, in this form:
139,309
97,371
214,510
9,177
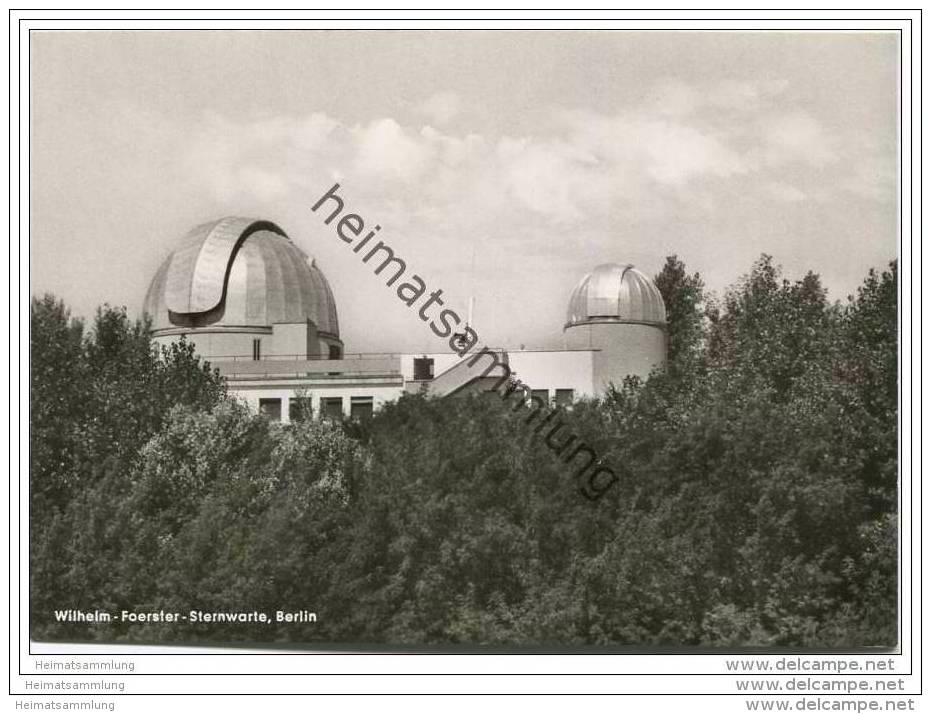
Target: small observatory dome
615,293
239,274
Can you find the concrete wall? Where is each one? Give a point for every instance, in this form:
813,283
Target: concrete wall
346,368
212,345
326,342
380,393
623,349
552,370
290,339
299,339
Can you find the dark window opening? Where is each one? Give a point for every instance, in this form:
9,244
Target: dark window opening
332,407
423,368
543,394
361,407
300,409
256,349
564,397
335,352
270,408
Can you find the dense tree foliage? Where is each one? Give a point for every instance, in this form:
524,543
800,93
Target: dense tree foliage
684,297
756,503
99,397
95,400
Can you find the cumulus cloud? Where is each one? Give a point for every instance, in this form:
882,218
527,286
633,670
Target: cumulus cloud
384,148
685,147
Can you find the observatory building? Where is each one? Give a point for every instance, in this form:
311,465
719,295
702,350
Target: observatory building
262,312
617,313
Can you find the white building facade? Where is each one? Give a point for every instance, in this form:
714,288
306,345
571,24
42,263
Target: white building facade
262,313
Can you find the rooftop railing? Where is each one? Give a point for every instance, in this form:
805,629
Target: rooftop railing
298,366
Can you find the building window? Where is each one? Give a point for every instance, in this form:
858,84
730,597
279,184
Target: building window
542,394
256,349
332,407
300,409
270,408
423,369
564,397
361,407
335,352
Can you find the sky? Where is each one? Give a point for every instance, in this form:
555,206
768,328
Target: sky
500,165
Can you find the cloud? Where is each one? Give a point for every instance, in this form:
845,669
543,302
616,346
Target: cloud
676,153
266,185
263,157
687,149
542,176
384,148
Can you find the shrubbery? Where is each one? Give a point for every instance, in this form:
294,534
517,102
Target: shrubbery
756,500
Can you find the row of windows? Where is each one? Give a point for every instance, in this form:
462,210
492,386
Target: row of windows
301,408
563,396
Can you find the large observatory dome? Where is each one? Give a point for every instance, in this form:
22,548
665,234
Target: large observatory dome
237,274
615,293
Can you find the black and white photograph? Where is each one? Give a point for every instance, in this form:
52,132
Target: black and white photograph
464,340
